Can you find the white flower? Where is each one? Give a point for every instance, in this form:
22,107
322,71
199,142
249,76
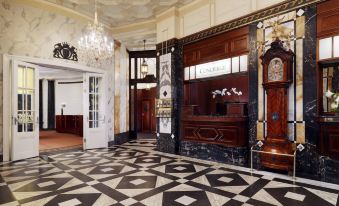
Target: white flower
239,93
337,100
234,90
229,93
213,96
223,92
334,105
329,94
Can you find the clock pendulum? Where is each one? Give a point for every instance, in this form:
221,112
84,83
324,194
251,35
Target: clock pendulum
277,76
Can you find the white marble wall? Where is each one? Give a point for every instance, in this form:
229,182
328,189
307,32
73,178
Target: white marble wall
123,90
29,30
204,14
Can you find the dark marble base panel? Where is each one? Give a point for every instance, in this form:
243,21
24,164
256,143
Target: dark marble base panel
329,170
165,143
1,158
229,155
120,138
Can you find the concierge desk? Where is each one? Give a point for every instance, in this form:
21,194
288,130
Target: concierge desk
226,130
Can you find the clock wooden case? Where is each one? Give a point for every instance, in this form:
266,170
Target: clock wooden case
277,76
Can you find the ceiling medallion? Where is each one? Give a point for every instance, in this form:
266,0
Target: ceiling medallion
95,47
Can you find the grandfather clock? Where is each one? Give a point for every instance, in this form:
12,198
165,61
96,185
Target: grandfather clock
277,76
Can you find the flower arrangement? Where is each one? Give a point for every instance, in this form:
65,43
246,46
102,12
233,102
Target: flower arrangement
334,98
225,91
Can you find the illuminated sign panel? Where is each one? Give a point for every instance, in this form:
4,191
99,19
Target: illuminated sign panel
213,69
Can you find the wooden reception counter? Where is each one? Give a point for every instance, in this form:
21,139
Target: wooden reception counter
226,130
328,144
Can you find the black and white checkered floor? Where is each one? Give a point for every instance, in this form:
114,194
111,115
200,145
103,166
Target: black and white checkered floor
135,174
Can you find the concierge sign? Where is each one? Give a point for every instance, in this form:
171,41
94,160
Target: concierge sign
213,69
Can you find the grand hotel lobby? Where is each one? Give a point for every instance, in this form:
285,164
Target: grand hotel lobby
169,102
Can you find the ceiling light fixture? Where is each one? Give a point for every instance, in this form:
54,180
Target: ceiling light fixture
144,65
95,47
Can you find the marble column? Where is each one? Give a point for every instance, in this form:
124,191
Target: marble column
307,160
253,87
169,141
310,163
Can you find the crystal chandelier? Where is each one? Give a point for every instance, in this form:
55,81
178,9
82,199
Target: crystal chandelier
95,47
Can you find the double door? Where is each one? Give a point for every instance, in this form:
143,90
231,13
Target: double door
25,111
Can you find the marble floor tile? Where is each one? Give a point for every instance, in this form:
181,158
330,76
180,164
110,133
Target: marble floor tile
135,174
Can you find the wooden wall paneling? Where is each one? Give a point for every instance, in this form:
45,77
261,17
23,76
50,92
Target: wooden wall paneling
219,47
239,45
328,18
328,144
226,131
200,91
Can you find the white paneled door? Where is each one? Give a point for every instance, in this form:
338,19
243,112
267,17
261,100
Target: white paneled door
25,110
94,111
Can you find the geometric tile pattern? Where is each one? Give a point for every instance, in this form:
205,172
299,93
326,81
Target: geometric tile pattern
131,174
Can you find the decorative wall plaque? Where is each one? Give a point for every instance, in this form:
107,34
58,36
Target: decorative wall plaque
163,108
65,51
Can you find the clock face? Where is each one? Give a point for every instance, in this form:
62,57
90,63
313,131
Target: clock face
275,70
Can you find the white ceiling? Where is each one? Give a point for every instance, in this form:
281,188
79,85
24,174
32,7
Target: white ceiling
117,13
57,74
122,12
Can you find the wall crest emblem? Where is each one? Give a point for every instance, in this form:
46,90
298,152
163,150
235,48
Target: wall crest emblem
65,51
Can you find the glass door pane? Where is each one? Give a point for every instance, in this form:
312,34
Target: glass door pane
25,106
94,100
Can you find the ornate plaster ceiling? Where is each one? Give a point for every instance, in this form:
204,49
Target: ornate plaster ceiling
121,13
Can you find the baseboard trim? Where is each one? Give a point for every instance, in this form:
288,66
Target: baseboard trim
120,138
1,158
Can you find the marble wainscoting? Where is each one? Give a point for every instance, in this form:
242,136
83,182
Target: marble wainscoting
165,143
120,138
218,153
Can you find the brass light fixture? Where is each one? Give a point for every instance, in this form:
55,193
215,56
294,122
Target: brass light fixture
144,65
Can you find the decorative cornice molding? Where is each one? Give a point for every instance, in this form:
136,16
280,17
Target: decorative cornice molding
167,44
260,15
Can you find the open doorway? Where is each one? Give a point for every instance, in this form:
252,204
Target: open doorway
146,119
143,93
60,109
21,95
